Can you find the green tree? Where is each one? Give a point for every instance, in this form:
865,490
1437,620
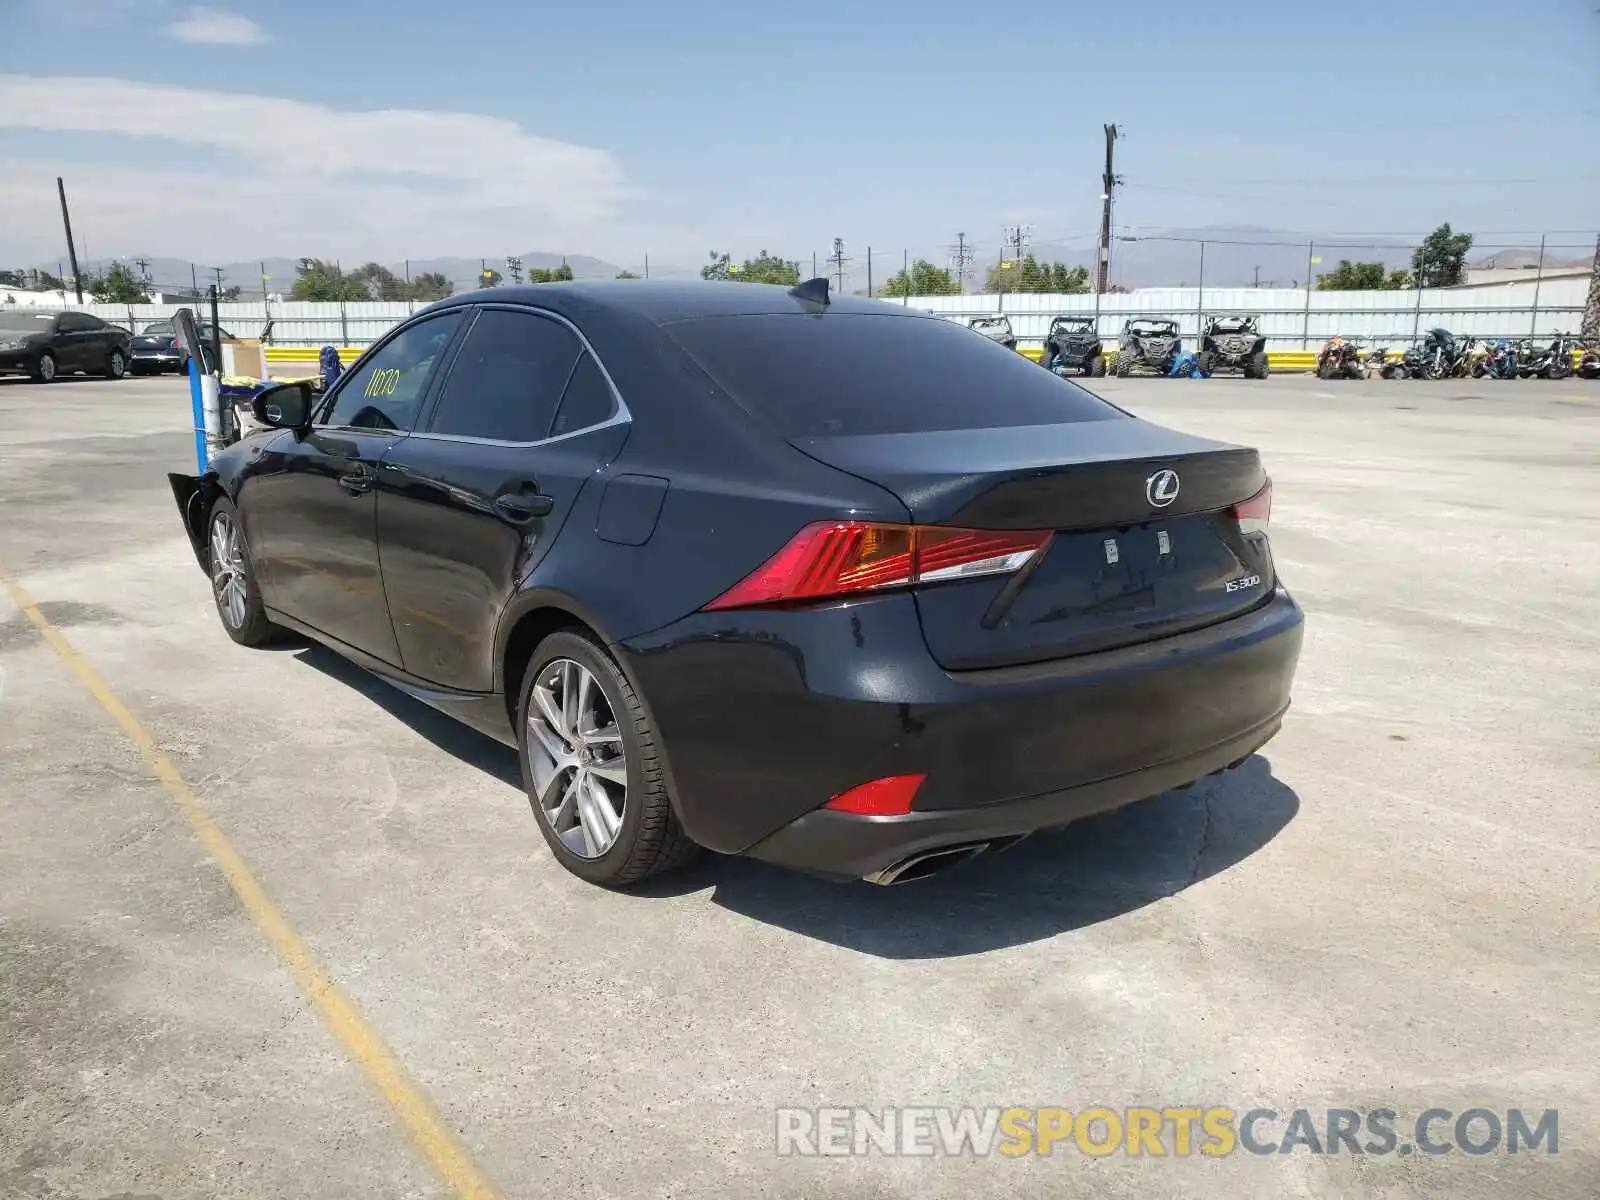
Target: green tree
489,277
119,285
324,281
626,275
430,286
1028,274
763,268
560,274
1441,260
1362,277
381,283
925,279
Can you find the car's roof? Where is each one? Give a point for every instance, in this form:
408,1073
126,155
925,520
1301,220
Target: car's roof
664,301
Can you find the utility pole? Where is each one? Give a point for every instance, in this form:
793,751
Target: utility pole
647,266
1258,276
72,252
961,260
869,272
1108,187
838,260
194,281
1016,237
264,278
514,268
1538,279
217,271
144,269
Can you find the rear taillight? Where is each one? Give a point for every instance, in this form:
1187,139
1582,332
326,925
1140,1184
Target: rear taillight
840,558
888,797
1254,513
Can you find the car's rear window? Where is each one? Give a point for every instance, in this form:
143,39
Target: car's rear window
854,373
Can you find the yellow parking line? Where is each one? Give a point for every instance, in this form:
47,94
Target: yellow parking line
410,1105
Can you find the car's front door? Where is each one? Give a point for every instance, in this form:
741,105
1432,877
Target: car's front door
470,504
309,504
74,341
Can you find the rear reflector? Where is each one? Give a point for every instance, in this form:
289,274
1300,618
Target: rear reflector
1254,513
839,558
890,797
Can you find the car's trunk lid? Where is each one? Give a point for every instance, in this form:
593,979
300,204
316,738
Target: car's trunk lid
1132,558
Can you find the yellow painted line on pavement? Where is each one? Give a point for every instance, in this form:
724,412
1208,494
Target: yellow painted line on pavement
362,1044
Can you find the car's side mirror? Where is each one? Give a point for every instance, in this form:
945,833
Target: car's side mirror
285,406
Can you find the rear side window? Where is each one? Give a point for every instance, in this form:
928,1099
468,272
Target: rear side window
508,377
587,400
848,373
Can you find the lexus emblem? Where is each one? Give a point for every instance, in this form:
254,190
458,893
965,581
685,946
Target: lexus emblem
1161,489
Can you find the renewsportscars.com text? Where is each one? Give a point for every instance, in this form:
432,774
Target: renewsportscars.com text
1160,1132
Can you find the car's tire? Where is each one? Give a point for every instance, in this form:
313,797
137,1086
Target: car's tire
1124,365
44,368
1261,364
1204,361
1097,366
233,579
568,758
116,364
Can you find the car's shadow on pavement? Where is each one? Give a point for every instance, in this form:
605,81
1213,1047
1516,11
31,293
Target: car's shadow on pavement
455,739
1092,871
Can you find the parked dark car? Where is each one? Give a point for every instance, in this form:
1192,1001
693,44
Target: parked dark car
157,349
45,345
732,566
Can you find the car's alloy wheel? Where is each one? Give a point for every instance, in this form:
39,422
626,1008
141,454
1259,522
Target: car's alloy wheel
229,574
118,366
46,370
577,758
593,766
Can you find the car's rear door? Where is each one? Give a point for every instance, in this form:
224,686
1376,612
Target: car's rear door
470,504
74,343
310,505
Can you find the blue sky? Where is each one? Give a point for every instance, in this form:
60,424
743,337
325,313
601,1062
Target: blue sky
622,128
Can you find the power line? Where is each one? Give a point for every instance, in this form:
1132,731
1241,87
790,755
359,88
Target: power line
961,260
838,260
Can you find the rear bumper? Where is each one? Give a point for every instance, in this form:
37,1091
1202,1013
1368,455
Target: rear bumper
765,716
825,842
155,358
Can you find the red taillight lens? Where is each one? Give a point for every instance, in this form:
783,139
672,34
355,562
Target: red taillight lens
838,558
890,797
1254,513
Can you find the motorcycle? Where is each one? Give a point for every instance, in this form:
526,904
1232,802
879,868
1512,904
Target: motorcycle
1499,361
1547,362
1466,358
1437,356
1339,358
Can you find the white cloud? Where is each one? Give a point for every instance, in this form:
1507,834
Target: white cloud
210,27
389,183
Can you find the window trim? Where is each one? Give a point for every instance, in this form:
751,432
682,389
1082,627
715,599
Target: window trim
331,400
620,414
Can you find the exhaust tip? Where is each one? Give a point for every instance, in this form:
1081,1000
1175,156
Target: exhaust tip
926,863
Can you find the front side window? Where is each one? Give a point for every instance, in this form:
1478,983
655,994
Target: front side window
386,391
508,379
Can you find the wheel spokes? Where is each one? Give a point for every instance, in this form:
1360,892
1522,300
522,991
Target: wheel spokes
570,727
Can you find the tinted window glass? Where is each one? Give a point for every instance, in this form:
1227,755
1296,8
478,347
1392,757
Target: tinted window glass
587,400
73,323
508,378
386,391
847,373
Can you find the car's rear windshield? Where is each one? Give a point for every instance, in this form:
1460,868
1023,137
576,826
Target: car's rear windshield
855,373
30,321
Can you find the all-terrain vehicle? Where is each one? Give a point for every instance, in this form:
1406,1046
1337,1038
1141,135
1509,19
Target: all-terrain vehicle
1233,342
1148,342
1339,358
996,329
1072,345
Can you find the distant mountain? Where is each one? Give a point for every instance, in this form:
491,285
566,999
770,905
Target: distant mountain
1235,256
172,274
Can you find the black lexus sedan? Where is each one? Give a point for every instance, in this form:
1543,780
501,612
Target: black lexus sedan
47,344
814,579
157,348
